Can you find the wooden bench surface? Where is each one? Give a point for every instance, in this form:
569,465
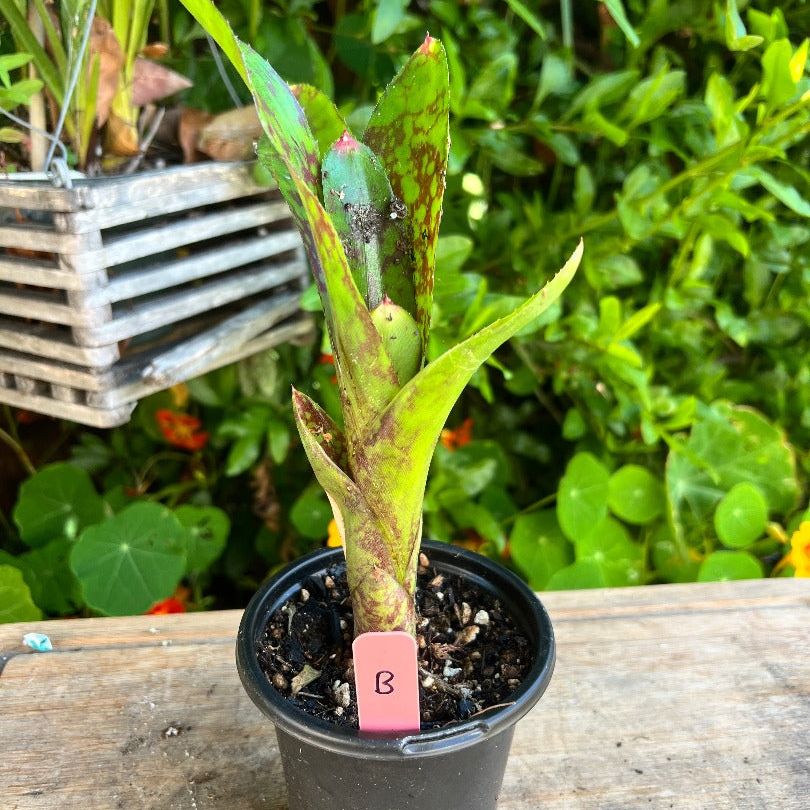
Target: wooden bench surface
673,696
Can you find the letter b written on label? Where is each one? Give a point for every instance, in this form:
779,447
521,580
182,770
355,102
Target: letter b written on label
385,679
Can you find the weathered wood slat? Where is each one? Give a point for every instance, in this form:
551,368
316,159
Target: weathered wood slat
688,697
43,274
165,275
185,361
30,237
120,249
131,390
76,412
41,306
125,382
118,191
162,199
171,307
41,196
49,341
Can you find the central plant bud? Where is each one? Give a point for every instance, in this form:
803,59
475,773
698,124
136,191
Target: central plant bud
400,335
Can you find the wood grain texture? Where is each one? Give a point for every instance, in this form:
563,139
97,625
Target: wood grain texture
682,696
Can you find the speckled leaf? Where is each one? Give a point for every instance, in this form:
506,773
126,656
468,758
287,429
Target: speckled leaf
325,122
409,132
390,464
282,118
382,600
288,148
368,219
365,374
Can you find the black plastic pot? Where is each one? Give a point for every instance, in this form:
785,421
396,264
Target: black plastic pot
456,768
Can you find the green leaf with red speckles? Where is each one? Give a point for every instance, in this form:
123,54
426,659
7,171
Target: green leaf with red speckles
365,374
382,596
325,121
392,458
368,219
409,132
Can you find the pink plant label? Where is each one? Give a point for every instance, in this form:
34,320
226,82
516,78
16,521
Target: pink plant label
387,681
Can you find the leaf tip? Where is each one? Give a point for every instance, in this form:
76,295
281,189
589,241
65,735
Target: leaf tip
430,44
346,142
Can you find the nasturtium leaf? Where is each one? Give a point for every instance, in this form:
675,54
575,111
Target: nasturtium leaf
48,575
208,528
582,500
728,445
635,494
15,598
539,548
581,574
672,562
58,501
130,561
324,120
741,516
310,514
609,547
721,566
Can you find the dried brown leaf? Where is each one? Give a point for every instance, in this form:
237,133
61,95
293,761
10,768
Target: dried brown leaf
231,135
121,137
188,132
155,50
152,82
106,50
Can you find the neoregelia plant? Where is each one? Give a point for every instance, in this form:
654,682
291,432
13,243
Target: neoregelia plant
369,211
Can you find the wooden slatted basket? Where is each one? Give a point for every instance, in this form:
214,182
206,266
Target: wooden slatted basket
119,287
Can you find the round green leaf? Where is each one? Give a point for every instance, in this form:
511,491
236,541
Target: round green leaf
311,513
208,529
58,501
15,598
610,549
539,548
721,566
635,494
48,575
132,560
582,574
741,516
583,495
672,562
728,445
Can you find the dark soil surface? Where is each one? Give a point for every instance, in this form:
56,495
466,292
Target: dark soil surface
471,655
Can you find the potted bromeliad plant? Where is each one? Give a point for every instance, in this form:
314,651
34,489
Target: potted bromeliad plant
368,211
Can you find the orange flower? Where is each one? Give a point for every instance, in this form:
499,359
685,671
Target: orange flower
458,437
799,554
326,359
181,429
170,605
334,540
471,540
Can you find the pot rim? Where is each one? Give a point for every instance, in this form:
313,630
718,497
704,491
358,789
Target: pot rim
522,602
